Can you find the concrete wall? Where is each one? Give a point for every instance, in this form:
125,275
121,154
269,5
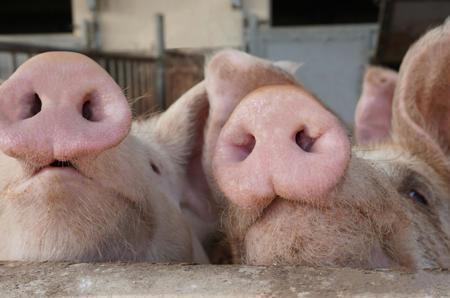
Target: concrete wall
147,280
260,8
129,25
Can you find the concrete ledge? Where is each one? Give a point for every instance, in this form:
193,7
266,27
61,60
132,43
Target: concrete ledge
150,280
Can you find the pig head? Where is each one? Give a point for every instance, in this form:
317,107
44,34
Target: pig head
292,188
79,181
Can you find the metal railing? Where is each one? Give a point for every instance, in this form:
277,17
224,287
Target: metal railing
133,73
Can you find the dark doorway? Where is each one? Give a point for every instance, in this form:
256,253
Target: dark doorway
39,16
315,12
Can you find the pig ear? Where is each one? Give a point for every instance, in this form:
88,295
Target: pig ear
422,99
229,76
288,66
180,129
374,110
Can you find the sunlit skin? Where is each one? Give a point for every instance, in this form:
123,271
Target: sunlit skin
80,181
382,203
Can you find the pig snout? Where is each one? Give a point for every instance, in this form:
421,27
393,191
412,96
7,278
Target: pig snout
61,106
280,142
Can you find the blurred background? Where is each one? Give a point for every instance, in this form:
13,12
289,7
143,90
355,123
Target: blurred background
155,49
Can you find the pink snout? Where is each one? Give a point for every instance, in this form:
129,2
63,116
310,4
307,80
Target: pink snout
61,106
280,142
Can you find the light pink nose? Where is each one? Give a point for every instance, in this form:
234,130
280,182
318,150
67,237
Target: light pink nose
61,106
280,142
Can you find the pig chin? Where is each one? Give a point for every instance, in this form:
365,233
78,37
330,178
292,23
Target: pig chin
293,233
77,220
63,188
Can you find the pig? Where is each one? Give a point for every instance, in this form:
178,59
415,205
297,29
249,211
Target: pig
374,110
291,187
81,181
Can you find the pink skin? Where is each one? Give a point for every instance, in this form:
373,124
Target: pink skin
281,166
374,109
261,155
81,182
59,131
298,199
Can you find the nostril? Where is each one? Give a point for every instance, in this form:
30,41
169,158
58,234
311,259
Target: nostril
304,141
93,109
34,106
244,147
87,111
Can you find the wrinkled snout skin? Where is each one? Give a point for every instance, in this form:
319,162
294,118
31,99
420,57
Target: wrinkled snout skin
79,181
293,191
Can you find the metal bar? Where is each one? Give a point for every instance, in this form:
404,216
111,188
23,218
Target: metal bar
109,67
15,64
160,82
142,76
130,82
149,91
26,48
252,35
138,78
124,76
116,72
134,82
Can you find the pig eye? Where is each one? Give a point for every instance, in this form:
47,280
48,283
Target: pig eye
413,181
155,168
417,197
